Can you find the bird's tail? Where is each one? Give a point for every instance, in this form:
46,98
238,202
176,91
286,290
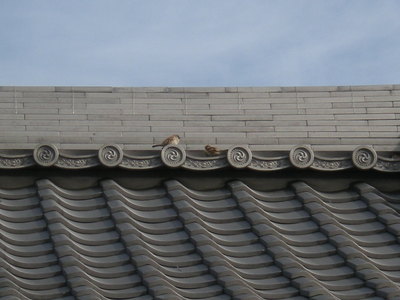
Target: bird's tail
157,146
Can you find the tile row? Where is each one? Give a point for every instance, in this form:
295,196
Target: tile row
173,242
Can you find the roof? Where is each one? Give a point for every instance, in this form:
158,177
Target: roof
175,156
302,202
173,241
333,118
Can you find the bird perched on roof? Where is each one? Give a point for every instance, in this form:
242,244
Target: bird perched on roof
171,140
211,150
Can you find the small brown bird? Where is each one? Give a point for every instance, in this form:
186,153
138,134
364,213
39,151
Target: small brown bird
171,140
212,151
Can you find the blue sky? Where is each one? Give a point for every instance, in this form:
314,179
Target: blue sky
199,43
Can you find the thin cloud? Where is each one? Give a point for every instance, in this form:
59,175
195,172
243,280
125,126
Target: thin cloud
205,43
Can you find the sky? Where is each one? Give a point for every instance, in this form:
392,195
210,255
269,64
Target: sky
199,42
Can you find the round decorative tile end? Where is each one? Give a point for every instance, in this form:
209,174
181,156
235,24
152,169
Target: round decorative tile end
45,155
110,155
239,157
364,157
301,156
173,156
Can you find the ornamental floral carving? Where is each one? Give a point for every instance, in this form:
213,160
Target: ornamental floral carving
13,163
192,163
301,156
110,155
324,164
268,165
239,156
364,157
76,163
173,156
387,166
133,163
45,155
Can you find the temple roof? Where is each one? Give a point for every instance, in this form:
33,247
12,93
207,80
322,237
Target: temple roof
302,201
336,118
172,241
175,156
260,128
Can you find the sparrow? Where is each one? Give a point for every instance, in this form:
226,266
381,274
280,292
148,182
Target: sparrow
171,140
212,151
